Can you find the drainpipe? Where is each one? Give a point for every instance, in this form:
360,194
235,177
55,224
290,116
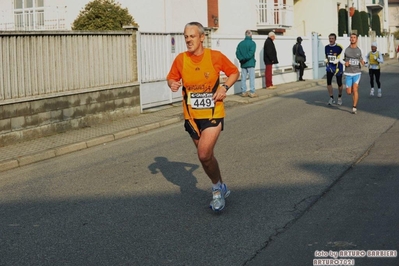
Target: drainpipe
315,54
349,19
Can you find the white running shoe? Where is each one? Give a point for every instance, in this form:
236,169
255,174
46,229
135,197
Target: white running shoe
339,101
379,94
354,110
331,101
372,92
218,198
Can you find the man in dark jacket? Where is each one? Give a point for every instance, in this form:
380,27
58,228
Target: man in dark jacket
245,53
269,58
300,57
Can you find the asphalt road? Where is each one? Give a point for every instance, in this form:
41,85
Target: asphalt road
304,177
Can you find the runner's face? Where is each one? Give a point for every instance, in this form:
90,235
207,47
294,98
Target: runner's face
373,48
193,39
353,39
331,39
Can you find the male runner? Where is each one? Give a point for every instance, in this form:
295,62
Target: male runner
353,64
333,67
198,70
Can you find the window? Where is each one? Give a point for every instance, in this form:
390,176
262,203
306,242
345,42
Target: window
18,4
39,3
28,14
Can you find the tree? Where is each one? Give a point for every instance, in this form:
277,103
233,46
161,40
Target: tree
376,24
357,23
342,22
365,22
102,15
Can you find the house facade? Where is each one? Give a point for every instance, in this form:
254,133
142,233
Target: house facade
393,6
285,17
33,15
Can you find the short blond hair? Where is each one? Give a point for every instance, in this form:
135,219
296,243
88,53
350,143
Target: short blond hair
271,34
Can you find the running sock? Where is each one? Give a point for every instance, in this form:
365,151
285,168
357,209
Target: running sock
339,95
217,185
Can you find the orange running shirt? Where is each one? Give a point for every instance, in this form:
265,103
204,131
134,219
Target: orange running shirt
200,78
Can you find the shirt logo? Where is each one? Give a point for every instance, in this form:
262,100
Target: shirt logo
206,75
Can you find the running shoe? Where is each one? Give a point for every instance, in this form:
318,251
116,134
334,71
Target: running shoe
252,95
354,111
331,101
379,94
244,94
372,92
218,198
339,101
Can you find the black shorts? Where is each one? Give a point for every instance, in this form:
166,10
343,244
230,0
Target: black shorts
330,75
196,126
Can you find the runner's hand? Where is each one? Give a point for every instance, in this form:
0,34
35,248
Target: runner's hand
175,86
220,94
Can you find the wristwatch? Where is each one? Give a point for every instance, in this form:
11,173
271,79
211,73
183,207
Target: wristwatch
226,87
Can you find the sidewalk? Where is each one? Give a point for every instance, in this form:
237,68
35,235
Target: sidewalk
32,151
28,152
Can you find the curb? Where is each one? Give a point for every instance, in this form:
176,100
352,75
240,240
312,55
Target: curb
69,148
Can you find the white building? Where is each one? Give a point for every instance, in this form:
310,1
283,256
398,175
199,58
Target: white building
393,15
286,17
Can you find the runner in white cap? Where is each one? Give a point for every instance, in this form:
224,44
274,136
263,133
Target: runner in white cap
373,60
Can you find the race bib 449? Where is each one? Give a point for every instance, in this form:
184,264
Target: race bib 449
201,100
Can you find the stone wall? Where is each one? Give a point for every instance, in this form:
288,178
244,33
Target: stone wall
42,117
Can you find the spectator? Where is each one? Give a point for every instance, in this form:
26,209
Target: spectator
300,57
245,53
269,58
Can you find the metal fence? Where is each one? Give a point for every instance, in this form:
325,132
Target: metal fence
157,52
44,64
38,65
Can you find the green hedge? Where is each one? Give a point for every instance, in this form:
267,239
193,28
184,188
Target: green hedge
342,22
365,22
376,24
357,23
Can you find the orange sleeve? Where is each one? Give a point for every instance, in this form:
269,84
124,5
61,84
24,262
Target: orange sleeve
222,63
176,68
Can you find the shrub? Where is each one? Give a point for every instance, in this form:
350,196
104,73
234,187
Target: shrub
342,22
102,15
376,24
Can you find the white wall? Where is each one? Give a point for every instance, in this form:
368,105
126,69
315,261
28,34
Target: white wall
237,16
6,11
393,18
319,16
